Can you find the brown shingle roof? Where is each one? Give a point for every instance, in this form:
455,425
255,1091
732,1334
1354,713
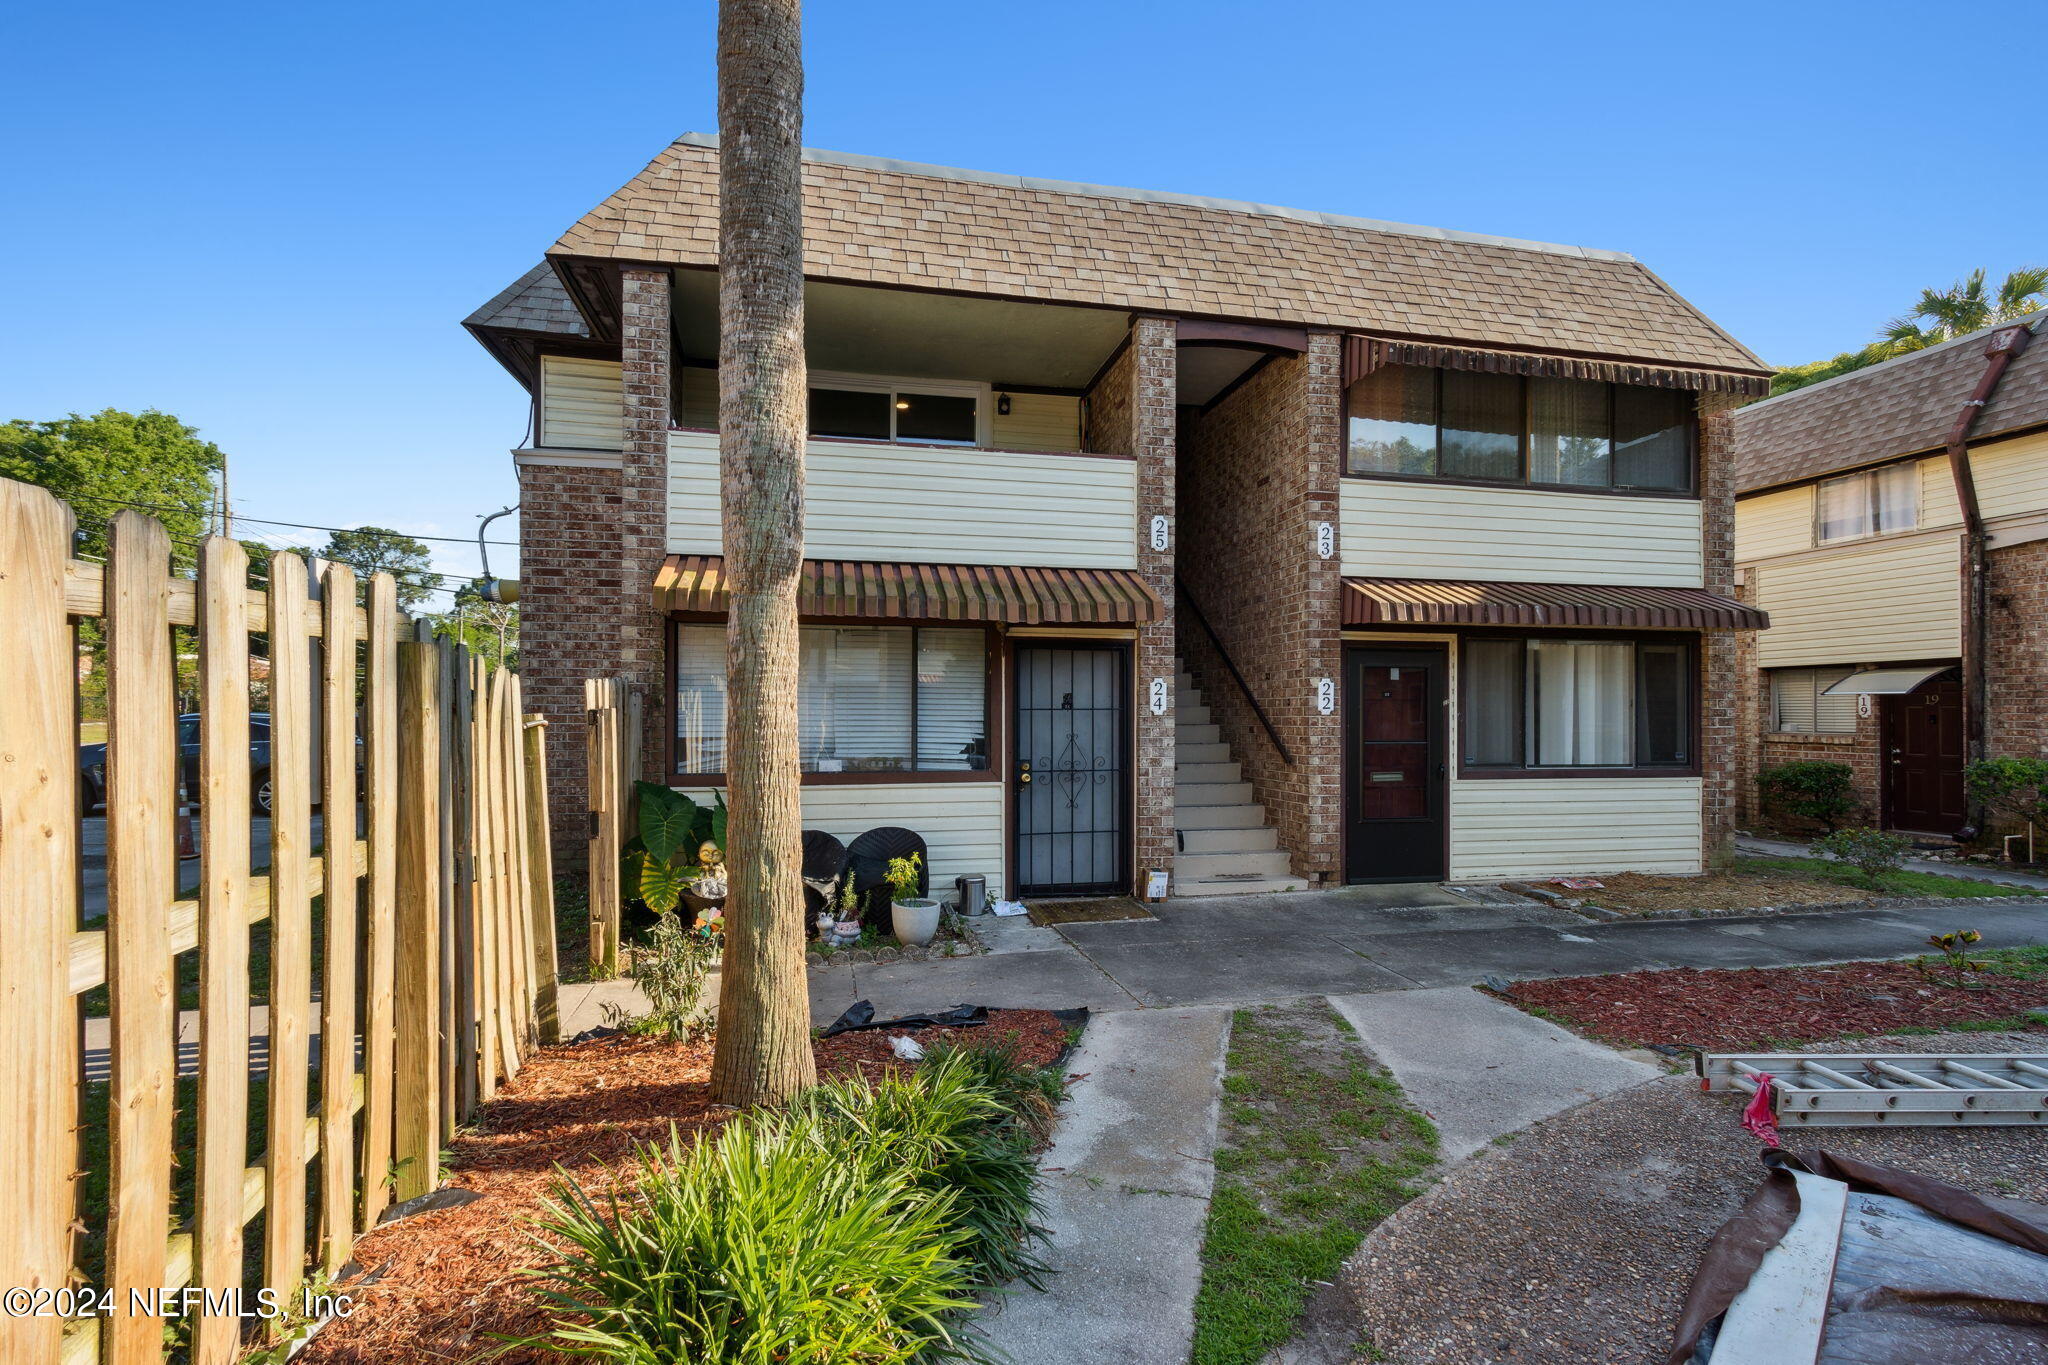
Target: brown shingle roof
535,302
1904,406
878,222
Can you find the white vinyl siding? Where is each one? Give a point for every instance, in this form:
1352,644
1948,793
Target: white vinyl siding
1574,827
581,404
1798,706
1778,523
961,823
1518,535
1037,421
2012,476
1938,505
1887,599
931,504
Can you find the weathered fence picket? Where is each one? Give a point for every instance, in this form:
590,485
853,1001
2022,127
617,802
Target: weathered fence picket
431,930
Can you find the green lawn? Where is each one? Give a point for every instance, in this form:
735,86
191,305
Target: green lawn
1903,882
1317,1145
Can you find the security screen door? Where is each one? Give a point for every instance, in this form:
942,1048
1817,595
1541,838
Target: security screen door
1071,767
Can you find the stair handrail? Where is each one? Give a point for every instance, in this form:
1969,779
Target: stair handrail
1187,600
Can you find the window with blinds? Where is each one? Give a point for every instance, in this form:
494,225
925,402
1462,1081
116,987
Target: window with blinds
870,699
1798,707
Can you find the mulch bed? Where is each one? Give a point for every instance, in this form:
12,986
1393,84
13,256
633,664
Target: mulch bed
1089,910
450,1279
1641,891
1759,1007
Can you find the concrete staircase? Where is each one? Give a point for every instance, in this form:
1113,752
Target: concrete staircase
1226,846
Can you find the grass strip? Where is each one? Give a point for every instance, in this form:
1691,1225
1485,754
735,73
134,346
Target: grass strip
1903,882
1317,1146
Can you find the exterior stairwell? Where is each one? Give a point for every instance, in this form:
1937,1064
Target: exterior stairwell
1226,848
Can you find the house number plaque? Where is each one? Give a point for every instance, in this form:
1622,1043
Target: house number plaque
1157,698
1326,539
1161,533
1326,696
1863,705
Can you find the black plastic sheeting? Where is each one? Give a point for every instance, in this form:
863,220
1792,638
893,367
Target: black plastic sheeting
861,1015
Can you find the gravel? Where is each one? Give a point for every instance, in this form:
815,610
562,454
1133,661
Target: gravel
1574,1242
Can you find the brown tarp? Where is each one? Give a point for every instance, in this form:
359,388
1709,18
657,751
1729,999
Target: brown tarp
929,592
1736,1250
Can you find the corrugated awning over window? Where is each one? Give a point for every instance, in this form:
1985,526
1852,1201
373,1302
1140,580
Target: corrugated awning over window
1885,682
1429,602
930,592
1364,354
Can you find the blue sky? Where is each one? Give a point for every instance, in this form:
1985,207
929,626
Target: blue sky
271,219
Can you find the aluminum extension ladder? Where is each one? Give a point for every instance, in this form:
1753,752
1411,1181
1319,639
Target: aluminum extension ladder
1861,1090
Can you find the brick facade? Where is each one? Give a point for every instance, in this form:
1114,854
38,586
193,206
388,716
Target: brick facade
1258,471
2016,654
1131,412
591,538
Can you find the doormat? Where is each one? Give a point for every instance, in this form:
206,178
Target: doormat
1093,910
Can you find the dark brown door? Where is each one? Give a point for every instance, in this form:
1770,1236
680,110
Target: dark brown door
1924,758
1394,778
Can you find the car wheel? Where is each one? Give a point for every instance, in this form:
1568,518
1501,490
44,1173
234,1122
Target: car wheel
259,792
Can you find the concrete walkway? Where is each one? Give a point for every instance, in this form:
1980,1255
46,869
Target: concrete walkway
1126,1186
1779,848
1479,1067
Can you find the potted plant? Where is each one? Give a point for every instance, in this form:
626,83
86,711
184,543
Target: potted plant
847,928
914,917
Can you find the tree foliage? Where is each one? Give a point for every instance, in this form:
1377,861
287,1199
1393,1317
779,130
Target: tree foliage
377,549
1968,305
489,629
111,459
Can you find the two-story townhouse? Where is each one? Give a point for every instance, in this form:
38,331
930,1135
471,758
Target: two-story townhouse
1894,523
1148,532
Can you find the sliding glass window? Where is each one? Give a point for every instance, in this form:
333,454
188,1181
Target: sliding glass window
1546,702
1474,427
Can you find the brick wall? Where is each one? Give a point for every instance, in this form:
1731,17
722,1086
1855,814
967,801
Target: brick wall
1721,760
590,541
1257,472
1131,412
2016,654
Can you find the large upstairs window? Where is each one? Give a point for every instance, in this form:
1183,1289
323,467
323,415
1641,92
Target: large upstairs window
929,412
1873,503
1473,427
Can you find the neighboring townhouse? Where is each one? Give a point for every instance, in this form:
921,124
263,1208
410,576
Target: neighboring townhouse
1153,533
1894,523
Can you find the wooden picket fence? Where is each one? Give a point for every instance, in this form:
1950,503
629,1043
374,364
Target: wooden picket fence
615,711
422,936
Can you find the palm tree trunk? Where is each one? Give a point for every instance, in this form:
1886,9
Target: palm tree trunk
763,1053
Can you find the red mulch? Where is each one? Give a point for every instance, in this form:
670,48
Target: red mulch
1756,1007
451,1278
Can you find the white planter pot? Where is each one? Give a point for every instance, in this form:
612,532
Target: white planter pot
914,921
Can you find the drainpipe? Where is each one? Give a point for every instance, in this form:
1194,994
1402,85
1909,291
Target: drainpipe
1999,352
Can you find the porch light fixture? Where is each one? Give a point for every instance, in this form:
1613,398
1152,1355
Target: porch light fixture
1002,405
902,405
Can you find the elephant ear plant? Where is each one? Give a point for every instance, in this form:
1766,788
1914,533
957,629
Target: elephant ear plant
670,853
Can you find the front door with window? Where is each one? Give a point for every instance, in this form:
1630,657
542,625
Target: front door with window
1073,735
1924,758
1394,764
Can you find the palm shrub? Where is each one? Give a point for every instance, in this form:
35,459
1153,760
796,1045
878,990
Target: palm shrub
954,1138
1812,788
761,1246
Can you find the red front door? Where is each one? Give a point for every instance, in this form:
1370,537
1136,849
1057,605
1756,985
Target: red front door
1924,758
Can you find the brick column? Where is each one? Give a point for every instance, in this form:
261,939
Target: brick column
591,538
1720,670
1318,617
1131,411
644,334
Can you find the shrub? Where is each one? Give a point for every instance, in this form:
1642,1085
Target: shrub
667,855
1874,854
755,1247
671,967
1030,1095
1812,789
955,1139
2016,788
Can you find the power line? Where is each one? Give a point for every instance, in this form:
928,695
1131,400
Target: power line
272,521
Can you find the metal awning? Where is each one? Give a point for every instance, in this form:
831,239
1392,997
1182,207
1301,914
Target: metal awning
929,592
1432,602
1884,682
